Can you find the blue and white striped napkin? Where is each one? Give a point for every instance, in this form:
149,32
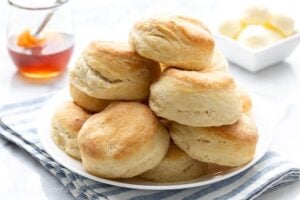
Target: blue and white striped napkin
17,124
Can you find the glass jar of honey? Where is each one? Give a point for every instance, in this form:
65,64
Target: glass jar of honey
40,37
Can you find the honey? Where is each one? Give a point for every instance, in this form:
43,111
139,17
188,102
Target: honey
41,58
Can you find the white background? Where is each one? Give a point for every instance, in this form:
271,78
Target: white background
22,177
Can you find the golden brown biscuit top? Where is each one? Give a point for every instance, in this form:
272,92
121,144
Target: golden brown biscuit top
121,49
201,80
70,117
103,54
243,130
186,28
116,62
118,131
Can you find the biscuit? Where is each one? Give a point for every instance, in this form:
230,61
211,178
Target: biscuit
112,71
177,41
200,99
231,145
176,166
66,123
124,140
87,102
218,63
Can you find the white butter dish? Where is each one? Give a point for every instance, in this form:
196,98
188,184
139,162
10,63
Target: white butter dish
255,60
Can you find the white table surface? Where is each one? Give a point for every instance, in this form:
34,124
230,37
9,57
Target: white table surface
21,177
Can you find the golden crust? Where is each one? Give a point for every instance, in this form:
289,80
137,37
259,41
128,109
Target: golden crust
124,140
70,117
102,54
99,48
87,102
196,98
122,125
178,41
190,28
229,145
218,63
202,80
243,131
66,123
109,70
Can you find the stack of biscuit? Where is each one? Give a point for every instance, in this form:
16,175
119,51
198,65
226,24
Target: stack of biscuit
162,107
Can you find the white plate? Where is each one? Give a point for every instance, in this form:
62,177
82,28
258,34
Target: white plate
264,123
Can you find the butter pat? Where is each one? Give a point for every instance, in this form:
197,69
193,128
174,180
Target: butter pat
231,27
257,36
256,15
283,23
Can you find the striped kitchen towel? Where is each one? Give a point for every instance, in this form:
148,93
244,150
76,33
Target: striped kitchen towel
18,124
